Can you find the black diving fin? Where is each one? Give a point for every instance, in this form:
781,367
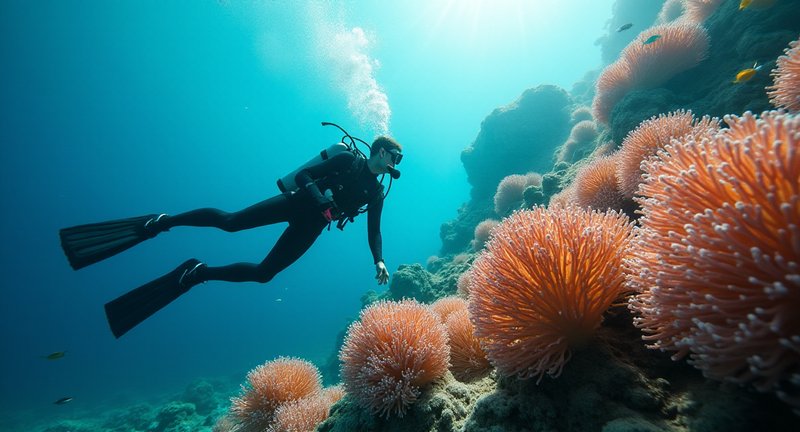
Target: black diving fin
130,309
87,244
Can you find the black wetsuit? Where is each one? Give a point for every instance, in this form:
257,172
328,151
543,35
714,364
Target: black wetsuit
353,186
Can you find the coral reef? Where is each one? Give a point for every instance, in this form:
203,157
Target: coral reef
305,414
613,384
457,234
201,394
697,11
533,196
517,138
785,92
651,136
269,386
581,113
413,281
655,56
579,142
392,354
484,230
739,39
714,266
444,408
543,284
718,253
179,414
511,192
596,185
640,14
176,416
137,417
670,11
468,360
446,306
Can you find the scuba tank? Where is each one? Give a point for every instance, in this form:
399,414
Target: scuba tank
287,183
348,143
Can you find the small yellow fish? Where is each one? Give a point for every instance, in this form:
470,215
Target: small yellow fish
757,4
56,355
744,4
651,39
745,75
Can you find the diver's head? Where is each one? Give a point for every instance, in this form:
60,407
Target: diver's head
384,155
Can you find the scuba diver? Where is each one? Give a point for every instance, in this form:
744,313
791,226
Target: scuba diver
337,185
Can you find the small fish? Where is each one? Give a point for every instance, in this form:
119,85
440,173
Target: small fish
651,39
745,75
278,300
624,27
56,355
64,400
744,4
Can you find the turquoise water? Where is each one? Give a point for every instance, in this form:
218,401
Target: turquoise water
116,109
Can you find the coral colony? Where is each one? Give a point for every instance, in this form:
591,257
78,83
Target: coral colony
690,226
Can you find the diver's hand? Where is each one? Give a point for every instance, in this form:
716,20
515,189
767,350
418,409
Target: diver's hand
327,214
382,274
327,207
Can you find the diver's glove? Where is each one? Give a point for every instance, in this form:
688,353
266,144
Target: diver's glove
327,206
323,203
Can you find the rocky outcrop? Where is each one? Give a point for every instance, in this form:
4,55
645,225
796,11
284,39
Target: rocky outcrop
738,40
518,138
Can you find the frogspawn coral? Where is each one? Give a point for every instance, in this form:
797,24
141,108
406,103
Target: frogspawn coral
305,414
717,259
391,354
543,284
467,359
270,385
678,47
652,135
785,92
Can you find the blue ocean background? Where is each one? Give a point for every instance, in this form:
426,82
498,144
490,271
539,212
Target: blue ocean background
124,108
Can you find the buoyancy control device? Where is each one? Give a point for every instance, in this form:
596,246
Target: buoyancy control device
348,143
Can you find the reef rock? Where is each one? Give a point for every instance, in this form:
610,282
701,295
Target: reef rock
611,384
443,407
458,233
413,281
518,138
615,384
738,39
178,417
